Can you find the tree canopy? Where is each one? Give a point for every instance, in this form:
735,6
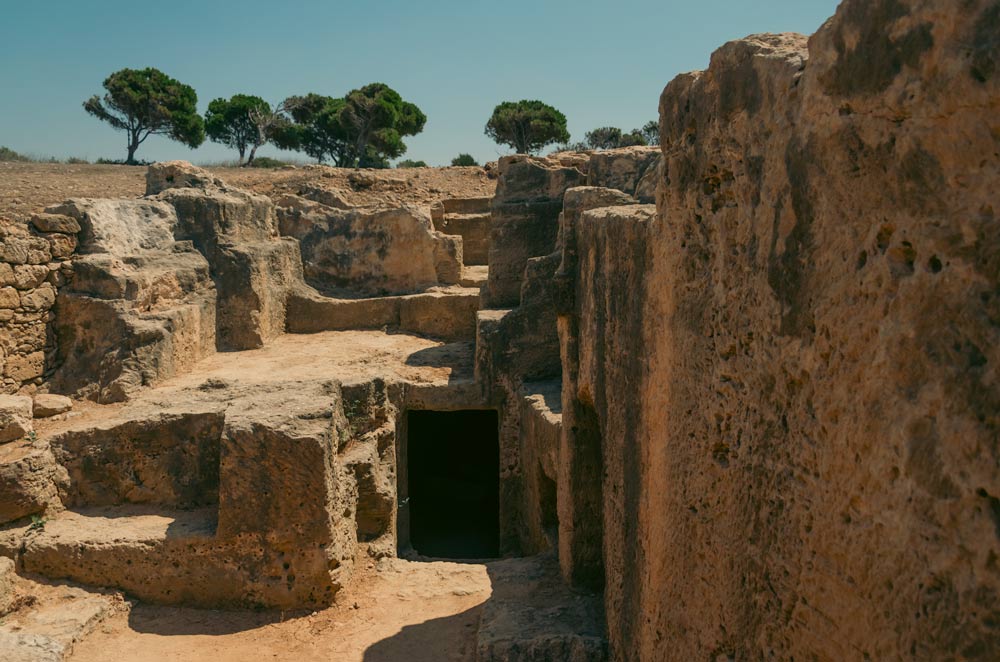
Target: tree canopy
651,132
606,137
632,139
243,122
365,128
527,126
314,128
144,102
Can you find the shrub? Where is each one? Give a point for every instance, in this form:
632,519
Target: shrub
104,161
571,147
464,160
611,137
7,154
410,163
267,162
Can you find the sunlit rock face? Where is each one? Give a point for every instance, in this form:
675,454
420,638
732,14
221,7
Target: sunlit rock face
792,363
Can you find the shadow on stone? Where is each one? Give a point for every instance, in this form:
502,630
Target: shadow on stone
435,639
179,621
451,355
531,615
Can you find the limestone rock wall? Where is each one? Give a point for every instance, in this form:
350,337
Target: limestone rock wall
370,252
468,218
632,170
140,306
603,364
525,218
792,366
252,266
539,202
163,281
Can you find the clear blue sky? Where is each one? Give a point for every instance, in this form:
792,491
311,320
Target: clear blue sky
600,63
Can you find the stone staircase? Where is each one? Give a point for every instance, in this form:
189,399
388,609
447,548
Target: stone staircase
447,313
468,218
390,269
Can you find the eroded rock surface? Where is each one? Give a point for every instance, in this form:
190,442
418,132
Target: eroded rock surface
15,417
29,479
632,170
371,252
50,404
250,483
164,281
468,218
525,219
791,366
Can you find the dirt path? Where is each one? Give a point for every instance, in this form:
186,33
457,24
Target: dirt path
418,612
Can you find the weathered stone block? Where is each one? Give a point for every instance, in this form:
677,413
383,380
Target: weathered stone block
61,245
448,258
169,460
39,299
371,252
28,477
215,216
632,170
474,229
55,223
525,220
28,276
15,417
325,196
253,280
536,179
120,227
178,174
23,368
50,404
14,250
9,298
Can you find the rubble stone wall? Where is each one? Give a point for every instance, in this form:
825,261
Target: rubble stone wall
34,263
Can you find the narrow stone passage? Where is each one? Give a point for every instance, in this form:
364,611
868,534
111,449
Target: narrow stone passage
454,484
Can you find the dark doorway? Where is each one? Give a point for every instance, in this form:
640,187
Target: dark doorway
453,475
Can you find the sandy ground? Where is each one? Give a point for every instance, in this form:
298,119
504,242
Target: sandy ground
29,187
402,610
349,356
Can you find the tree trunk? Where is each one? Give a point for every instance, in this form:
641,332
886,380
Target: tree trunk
253,153
132,146
243,150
